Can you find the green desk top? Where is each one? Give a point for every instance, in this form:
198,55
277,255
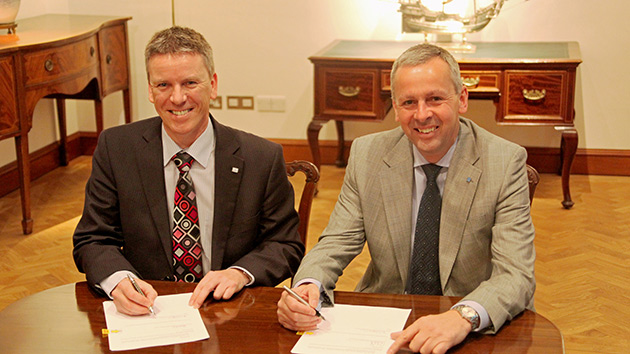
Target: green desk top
501,51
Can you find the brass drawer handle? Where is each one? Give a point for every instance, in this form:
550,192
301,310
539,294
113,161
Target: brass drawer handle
92,51
349,91
534,95
49,65
471,82
108,59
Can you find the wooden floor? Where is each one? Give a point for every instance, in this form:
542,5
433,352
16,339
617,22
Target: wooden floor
582,267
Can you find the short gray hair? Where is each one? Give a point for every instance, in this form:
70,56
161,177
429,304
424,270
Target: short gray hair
422,53
175,40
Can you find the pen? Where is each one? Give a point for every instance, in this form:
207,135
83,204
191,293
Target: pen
135,285
299,298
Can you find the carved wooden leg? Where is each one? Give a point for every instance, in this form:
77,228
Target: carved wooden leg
568,147
98,108
24,171
312,133
127,104
63,135
341,146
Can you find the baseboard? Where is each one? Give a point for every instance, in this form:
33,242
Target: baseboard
46,159
295,149
545,160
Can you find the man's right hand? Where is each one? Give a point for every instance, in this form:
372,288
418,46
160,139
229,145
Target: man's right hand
296,316
129,302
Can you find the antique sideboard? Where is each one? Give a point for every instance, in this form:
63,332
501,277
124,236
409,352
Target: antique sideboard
60,57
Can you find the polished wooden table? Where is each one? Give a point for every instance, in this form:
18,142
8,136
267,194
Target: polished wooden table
60,57
529,83
70,318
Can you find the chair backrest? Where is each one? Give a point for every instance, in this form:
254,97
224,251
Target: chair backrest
533,177
306,200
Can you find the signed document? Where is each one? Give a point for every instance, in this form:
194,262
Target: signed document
353,329
174,322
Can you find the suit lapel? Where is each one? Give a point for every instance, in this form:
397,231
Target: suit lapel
227,180
396,190
461,185
151,167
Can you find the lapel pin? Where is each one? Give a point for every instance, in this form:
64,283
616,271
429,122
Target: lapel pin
234,169
468,179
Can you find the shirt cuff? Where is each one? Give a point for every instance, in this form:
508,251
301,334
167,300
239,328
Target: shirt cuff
484,318
249,275
319,285
109,283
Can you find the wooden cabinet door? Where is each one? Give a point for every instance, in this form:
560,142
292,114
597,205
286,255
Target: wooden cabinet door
113,52
9,122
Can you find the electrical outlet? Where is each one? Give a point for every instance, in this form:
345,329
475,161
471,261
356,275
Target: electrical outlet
240,102
263,103
268,103
278,103
216,103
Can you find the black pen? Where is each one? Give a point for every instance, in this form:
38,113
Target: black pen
135,285
299,298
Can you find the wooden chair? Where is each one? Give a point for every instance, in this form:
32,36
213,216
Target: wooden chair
306,200
533,177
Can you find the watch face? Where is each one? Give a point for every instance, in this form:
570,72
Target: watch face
469,312
470,315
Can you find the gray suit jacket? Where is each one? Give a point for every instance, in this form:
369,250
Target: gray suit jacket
486,251
125,222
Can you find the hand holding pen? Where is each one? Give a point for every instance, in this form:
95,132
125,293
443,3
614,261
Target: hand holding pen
139,290
299,298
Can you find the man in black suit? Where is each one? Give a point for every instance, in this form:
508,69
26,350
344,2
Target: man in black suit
246,218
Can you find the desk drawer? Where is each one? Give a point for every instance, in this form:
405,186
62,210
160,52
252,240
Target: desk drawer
9,123
349,92
482,81
536,96
58,63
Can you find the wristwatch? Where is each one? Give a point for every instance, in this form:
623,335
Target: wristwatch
469,314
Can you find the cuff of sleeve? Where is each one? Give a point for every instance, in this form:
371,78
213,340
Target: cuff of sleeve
249,275
109,283
322,294
484,318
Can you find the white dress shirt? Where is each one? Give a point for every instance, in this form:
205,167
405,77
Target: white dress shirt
202,174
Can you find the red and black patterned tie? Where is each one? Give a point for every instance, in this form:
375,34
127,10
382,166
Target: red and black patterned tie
424,270
186,245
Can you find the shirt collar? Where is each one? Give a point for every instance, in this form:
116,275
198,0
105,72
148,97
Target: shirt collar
200,150
445,161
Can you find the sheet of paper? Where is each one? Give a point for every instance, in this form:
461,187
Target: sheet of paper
174,322
353,329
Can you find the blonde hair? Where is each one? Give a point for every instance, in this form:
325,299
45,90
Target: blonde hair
422,53
175,40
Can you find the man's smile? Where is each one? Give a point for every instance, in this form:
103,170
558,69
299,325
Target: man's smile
181,113
426,130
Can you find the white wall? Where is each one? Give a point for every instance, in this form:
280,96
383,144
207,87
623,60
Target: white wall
261,48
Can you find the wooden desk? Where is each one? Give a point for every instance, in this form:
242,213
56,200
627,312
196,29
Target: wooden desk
530,84
59,56
69,318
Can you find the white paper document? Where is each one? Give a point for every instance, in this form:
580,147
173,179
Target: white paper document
174,322
353,329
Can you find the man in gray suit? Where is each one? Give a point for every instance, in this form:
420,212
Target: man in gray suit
485,250
240,230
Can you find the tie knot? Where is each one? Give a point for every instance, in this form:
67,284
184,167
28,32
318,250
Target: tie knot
183,161
431,171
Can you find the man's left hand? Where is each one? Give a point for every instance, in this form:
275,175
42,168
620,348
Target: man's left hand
433,334
225,283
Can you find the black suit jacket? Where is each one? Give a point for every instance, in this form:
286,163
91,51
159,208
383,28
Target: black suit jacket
125,222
